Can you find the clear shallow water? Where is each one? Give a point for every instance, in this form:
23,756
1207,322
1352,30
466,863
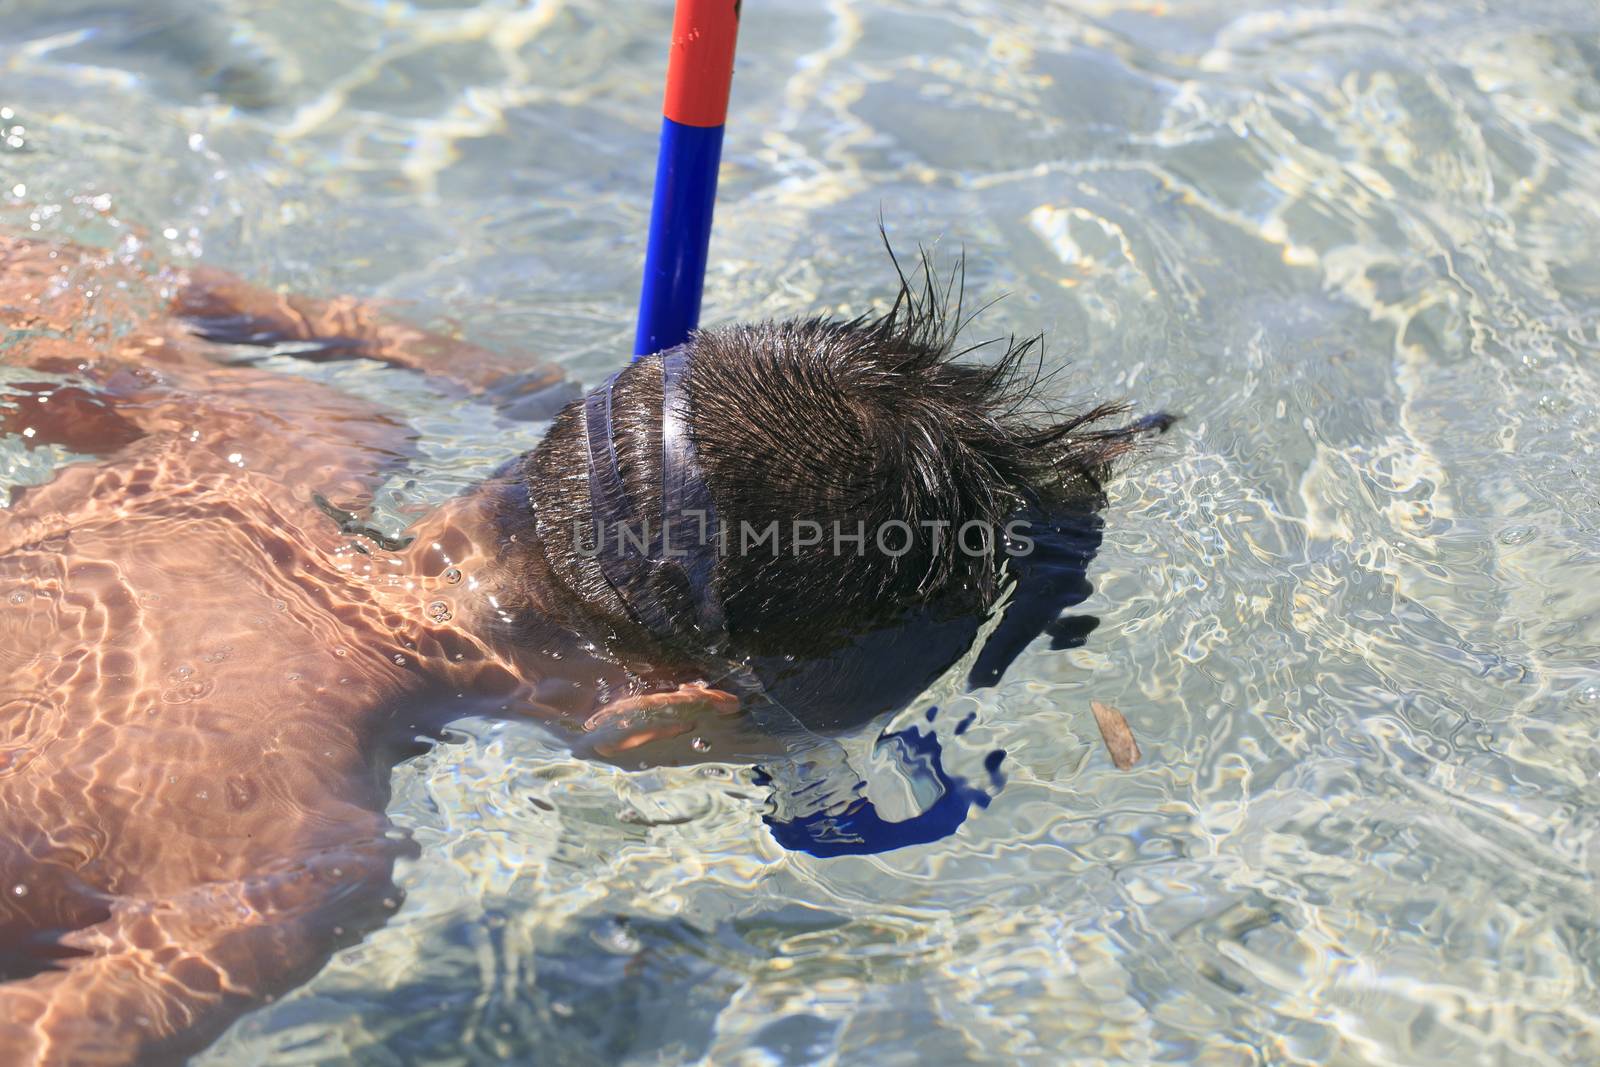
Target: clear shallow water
1351,607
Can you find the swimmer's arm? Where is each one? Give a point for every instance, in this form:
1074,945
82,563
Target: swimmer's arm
224,308
160,980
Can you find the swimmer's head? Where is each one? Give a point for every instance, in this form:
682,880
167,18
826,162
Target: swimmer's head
828,429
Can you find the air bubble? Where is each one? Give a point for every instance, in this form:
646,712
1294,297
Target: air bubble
439,611
452,575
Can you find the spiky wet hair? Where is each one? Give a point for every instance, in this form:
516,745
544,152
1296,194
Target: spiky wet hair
877,419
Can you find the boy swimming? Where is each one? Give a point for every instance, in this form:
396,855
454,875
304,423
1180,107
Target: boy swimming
208,665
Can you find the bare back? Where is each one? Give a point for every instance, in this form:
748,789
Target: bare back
193,665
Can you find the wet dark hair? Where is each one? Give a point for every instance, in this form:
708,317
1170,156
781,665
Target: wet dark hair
873,420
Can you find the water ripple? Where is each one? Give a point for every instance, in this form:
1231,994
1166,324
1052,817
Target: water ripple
1350,606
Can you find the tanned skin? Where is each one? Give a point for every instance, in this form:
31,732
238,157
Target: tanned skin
204,679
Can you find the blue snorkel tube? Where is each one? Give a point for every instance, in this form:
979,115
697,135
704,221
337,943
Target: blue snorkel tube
693,112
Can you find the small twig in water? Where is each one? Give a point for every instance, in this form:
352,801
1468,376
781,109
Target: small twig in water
1118,738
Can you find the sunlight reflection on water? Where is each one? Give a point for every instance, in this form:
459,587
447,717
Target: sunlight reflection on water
1343,605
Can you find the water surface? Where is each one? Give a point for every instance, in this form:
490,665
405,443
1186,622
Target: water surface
1351,606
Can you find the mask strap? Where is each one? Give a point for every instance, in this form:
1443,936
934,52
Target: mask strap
619,535
630,549
691,532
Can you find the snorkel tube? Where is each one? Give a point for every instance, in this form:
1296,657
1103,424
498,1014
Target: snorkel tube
818,803
699,75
